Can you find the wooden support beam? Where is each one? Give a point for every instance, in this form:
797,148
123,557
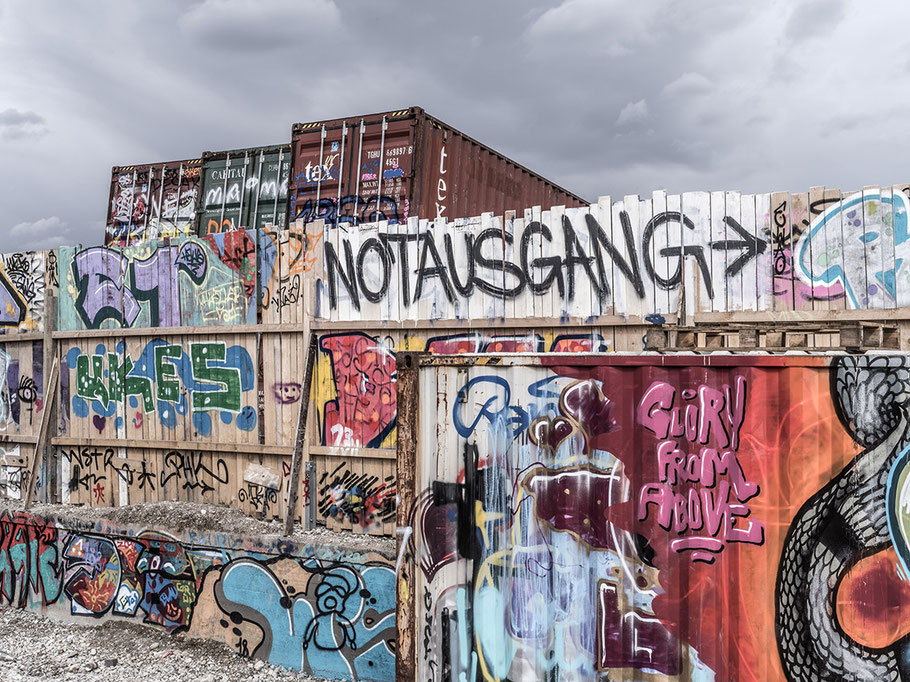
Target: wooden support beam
50,397
303,413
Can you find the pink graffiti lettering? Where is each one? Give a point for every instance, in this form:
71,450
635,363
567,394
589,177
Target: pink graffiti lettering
706,411
701,496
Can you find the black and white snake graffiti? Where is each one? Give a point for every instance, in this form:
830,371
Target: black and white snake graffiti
842,523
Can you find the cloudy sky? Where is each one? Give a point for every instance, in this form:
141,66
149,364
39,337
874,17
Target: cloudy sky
601,96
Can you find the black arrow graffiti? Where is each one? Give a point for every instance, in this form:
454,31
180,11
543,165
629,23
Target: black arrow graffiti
752,246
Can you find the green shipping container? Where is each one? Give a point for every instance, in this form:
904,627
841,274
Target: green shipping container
244,188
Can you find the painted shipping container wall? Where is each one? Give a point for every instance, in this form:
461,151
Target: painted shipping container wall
687,517
319,608
244,189
400,164
152,201
589,278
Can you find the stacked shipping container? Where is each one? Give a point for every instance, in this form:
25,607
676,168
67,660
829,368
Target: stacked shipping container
387,166
152,200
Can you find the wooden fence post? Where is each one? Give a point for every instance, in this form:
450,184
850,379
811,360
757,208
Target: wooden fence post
50,397
301,436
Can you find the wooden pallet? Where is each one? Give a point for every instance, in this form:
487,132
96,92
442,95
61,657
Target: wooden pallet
855,337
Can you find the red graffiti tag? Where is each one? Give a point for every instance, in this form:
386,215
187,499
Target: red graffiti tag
363,413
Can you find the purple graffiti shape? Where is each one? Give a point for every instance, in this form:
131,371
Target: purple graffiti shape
549,433
575,501
586,404
435,521
628,637
99,276
148,277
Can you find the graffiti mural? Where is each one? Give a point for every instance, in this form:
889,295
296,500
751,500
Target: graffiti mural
621,518
364,499
363,412
21,386
186,282
286,256
704,251
867,228
361,409
22,285
30,561
196,383
848,535
152,202
325,617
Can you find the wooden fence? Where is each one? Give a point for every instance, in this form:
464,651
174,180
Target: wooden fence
28,284
182,361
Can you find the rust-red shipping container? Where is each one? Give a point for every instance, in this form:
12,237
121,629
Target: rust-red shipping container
398,164
152,200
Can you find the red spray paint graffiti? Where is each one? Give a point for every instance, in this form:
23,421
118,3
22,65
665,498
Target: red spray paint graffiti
363,413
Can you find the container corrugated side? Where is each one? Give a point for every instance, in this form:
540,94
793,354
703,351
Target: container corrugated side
461,177
152,200
428,169
244,188
336,169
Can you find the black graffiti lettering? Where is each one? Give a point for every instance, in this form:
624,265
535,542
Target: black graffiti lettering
346,273
288,293
488,264
402,240
141,475
751,247
497,264
437,270
467,288
259,497
677,253
630,270
666,283
373,245
188,468
554,263
573,246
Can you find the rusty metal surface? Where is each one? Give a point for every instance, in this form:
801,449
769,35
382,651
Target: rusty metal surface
407,369
152,200
244,188
428,169
690,518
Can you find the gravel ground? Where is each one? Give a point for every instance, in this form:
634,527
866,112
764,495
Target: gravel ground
178,516
34,648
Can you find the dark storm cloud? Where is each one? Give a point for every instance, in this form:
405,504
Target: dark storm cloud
253,25
15,124
814,18
601,96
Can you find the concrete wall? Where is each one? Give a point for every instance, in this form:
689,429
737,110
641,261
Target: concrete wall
321,608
